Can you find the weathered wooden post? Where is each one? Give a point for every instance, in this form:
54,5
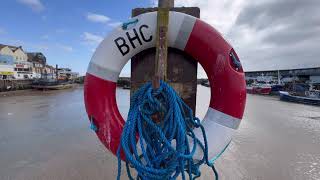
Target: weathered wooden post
162,42
181,69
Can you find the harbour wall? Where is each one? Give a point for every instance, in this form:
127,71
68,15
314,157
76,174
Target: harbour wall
12,85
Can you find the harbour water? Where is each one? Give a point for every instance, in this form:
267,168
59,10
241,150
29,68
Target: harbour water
46,135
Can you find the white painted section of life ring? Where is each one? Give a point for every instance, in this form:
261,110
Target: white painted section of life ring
108,61
218,136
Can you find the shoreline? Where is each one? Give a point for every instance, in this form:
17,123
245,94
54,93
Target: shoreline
33,91
14,93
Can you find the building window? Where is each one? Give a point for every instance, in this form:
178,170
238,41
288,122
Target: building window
15,69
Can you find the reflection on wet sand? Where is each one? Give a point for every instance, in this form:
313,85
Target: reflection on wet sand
46,135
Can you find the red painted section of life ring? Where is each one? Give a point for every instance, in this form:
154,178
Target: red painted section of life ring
100,98
228,91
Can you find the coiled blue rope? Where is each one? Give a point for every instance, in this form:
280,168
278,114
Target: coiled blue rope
165,151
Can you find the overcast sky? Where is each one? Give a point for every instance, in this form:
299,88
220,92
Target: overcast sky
267,34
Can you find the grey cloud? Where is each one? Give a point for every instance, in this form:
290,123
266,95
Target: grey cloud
278,34
275,12
292,35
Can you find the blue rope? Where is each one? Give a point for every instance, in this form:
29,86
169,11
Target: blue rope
92,125
165,149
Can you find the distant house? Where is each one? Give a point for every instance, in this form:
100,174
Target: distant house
38,61
49,72
22,68
17,53
6,50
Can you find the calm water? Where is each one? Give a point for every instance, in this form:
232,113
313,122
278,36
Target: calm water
46,135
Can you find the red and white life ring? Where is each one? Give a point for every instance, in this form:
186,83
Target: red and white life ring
189,34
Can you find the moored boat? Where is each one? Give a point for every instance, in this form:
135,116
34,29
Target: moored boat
276,88
250,89
259,89
264,90
312,100
52,85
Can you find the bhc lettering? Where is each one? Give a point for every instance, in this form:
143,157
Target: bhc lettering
123,46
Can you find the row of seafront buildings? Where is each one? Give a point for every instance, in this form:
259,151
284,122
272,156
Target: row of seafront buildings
293,79
303,75
15,63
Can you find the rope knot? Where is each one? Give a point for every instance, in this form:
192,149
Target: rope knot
197,122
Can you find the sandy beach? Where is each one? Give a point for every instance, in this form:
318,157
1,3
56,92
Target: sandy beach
46,136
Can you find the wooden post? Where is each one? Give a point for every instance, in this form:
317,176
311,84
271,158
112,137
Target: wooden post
181,68
166,3
162,42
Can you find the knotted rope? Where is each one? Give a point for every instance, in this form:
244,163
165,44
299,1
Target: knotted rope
165,151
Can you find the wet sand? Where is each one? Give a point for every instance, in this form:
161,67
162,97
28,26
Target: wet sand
46,135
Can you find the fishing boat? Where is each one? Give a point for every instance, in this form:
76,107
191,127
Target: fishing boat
263,89
52,85
276,88
311,97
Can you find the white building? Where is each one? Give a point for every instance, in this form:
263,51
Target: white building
38,62
22,70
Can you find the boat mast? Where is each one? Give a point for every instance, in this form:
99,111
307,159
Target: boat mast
279,77
57,72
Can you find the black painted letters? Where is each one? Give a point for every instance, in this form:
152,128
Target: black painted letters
123,45
142,35
135,37
121,42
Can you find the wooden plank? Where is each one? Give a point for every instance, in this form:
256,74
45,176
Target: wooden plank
181,68
161,42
